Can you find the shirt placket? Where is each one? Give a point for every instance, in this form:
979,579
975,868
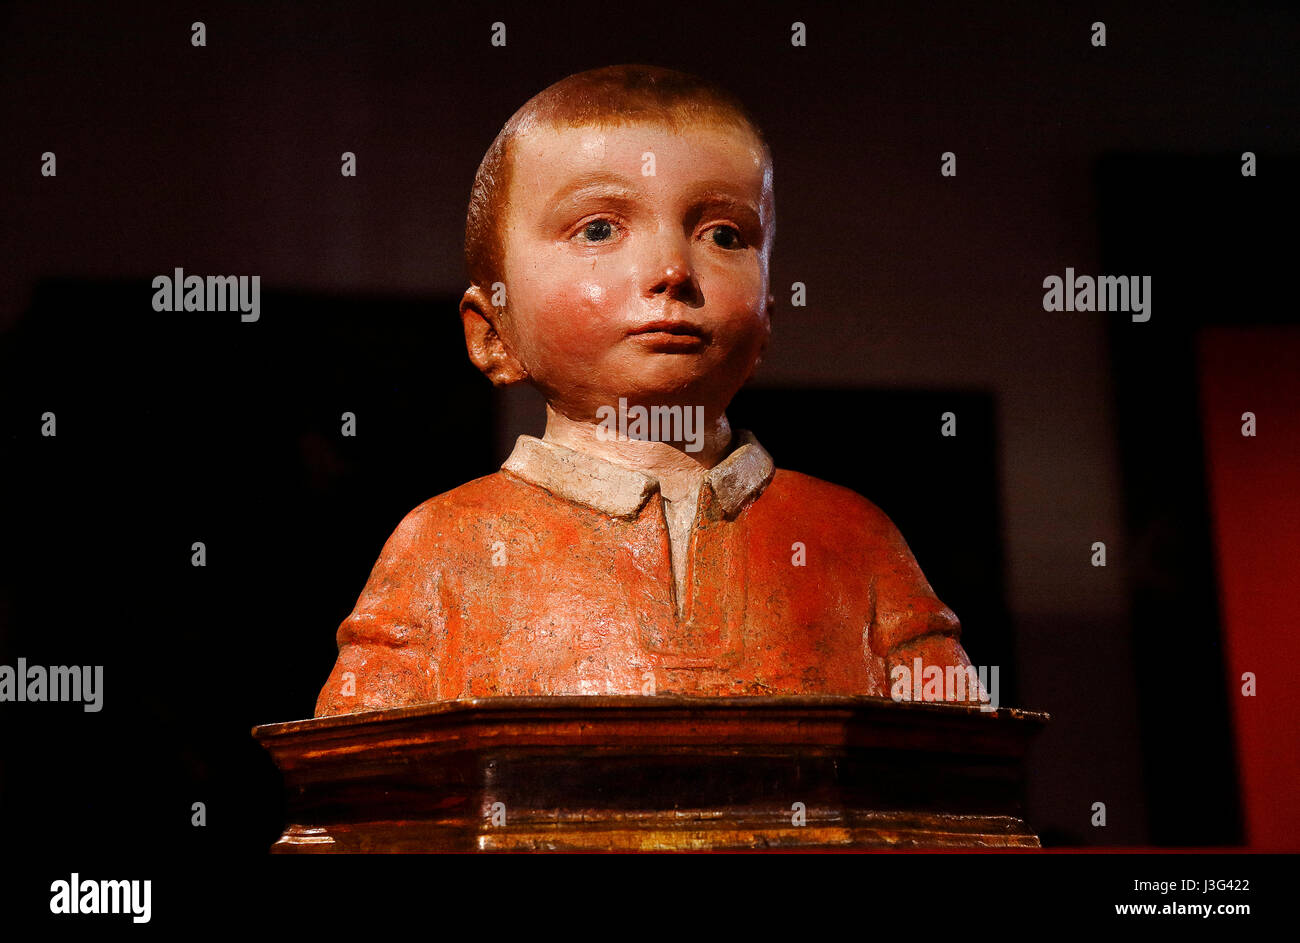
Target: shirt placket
709,632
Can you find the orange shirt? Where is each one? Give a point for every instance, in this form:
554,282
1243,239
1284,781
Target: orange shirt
554,576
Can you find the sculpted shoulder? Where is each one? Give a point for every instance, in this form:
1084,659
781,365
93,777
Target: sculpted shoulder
812,498
448,527
460,509
862,541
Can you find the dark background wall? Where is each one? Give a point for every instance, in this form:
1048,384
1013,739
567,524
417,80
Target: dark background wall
924,295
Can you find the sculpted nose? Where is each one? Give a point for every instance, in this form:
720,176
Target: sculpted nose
672,272
671,276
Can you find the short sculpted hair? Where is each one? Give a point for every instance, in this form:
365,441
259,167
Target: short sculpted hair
612,96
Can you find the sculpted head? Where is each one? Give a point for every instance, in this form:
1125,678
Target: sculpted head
618,243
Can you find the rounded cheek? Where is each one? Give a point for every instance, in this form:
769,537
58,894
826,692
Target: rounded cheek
743,312
576,318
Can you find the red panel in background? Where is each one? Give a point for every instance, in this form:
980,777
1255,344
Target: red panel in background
1254,485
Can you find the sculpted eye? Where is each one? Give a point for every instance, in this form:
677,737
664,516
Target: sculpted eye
730,237
598,230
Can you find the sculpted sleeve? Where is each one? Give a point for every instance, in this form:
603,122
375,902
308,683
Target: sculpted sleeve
385,653
909,620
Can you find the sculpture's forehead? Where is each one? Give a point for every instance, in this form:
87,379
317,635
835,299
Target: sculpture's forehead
548,156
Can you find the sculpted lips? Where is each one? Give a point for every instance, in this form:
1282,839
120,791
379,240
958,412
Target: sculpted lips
670,336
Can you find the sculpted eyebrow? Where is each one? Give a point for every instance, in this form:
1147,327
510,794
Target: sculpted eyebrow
721,191
728,202
601,183
746,213
615,189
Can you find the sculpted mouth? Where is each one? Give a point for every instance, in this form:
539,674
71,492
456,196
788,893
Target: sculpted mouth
670,328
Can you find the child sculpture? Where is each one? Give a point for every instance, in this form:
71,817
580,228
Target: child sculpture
618,243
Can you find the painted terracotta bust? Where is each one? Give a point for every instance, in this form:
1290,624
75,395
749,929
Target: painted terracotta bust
618,244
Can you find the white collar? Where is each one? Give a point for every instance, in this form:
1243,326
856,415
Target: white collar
622,492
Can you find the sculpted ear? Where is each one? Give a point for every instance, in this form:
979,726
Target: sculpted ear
769,309
487,349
